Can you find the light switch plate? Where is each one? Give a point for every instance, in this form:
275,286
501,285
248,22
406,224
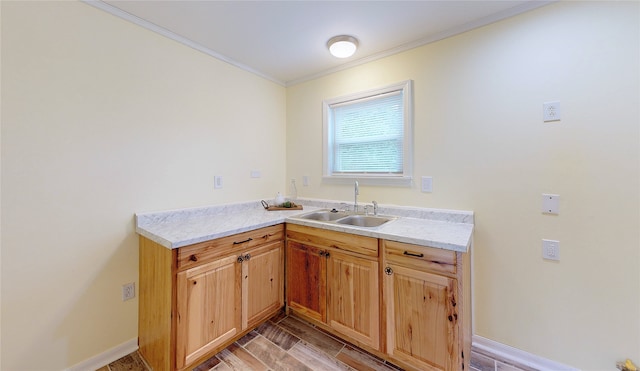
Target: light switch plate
217,182
427,184
550,203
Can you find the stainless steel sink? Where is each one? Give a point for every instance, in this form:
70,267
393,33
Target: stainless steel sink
325,215
364,220
345,218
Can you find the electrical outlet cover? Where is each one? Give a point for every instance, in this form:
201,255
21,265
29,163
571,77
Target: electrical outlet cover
551,249
128,291
551,111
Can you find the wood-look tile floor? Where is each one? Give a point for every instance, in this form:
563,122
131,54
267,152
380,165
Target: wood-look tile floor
288,343
282,343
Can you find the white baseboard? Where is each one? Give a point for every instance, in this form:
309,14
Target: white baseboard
106,357
510,354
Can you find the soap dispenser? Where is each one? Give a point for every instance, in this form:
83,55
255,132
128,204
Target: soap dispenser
279,199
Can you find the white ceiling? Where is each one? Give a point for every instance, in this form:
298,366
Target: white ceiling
285,41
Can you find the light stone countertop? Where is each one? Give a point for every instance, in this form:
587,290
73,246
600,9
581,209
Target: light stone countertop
445,229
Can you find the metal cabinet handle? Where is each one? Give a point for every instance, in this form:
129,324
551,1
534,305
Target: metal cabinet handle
388,271
241,242
240,259
413,254
247,257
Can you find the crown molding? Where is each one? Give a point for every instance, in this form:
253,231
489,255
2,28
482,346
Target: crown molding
530,5
174,36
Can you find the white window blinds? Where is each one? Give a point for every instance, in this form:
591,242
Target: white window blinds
368,135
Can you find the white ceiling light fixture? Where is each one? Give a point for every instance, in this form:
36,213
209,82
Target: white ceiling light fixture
342,46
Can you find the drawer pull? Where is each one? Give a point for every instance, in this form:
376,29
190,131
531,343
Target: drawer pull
193,258
413,254
241,242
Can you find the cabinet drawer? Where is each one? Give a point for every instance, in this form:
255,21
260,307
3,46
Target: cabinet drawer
192,255
420,257
338,240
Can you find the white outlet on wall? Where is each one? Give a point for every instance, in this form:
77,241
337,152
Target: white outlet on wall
551,111
551,249
128,291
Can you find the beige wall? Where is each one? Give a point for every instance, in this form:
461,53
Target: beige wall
479,132
101,119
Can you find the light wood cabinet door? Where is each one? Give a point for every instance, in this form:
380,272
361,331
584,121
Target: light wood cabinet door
353,297
421,318
208,303
262,283
306,280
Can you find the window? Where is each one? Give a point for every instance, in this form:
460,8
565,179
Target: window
368,136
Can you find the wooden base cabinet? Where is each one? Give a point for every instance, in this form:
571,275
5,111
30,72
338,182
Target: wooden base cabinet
306,280
353,297
427,296
208,308
333,279
196,300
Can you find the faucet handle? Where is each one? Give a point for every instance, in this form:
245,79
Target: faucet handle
375,207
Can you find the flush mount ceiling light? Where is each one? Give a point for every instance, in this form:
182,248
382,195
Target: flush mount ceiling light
342,46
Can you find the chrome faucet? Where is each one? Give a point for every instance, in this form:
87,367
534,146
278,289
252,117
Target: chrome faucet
375,207
356,193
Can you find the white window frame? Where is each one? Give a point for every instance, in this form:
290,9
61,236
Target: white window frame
402,179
